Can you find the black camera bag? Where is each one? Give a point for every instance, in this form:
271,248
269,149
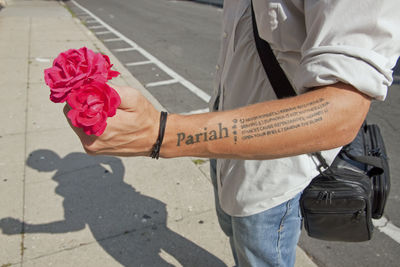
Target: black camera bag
336,206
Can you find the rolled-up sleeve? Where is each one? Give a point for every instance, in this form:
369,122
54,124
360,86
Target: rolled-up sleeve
355,42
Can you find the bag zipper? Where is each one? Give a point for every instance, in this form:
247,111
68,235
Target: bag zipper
353,185
329,195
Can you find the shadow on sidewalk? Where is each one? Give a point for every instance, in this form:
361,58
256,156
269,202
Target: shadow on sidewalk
129,226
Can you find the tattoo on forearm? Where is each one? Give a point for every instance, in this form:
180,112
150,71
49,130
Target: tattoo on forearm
271,123
204,136
284,120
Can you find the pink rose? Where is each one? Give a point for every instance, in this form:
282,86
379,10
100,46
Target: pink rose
111,73
74,68
91,105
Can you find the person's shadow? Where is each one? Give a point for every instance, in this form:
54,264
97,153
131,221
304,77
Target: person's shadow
129,226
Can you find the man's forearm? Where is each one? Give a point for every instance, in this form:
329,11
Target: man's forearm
321,119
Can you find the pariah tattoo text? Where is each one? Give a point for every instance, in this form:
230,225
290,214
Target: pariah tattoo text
203,136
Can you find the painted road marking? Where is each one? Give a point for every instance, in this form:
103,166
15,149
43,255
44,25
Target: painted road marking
388,228
160,83
138,63
198,111
101,33
124,49
112,40
190,86
96,27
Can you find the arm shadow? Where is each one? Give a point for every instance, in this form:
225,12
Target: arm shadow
129,226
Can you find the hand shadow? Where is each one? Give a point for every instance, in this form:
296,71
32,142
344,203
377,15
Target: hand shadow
129,226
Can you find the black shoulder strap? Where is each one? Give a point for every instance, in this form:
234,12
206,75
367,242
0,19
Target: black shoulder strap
276,76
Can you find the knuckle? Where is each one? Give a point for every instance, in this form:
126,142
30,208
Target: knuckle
91,149
89,152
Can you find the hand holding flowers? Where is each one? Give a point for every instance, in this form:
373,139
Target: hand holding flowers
114,121
78,77
131,132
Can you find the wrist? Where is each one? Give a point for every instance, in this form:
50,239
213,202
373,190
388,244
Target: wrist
180,139
155,152
169,148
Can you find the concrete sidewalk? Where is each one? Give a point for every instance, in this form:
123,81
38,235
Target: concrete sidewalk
79,210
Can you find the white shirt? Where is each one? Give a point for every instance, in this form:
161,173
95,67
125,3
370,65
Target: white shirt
317,43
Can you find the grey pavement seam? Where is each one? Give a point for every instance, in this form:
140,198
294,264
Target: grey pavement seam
22,248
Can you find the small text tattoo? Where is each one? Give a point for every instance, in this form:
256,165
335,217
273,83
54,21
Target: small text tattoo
283,120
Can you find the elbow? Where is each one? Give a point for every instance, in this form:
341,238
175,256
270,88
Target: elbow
348,136
350,110
340,134
346,130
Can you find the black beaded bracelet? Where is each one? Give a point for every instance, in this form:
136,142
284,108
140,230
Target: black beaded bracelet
155,152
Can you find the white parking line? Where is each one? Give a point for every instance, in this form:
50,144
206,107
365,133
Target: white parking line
388,228
198,111
96,27
191,87
124,49
112,40
160,83
101,33
138,63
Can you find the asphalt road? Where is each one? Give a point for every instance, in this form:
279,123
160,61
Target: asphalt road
185,37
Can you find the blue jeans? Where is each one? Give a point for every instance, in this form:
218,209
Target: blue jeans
265,239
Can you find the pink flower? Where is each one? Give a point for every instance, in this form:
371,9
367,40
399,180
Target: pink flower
75,68
91,105
111,73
